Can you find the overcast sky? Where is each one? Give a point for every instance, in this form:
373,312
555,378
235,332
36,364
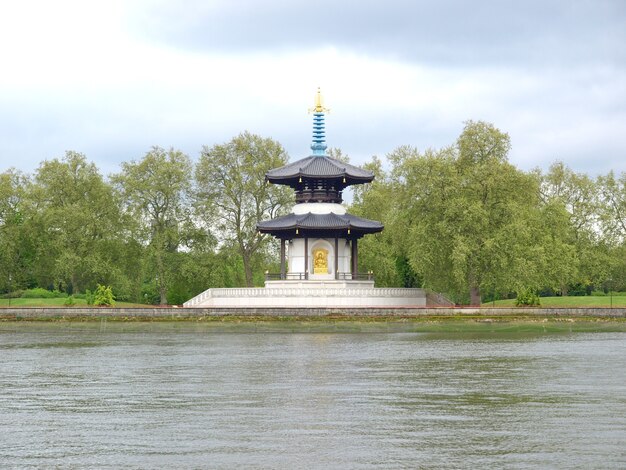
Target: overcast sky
113,78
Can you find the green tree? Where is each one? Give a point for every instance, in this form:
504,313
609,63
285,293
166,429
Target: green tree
156,192
383,253
572,205
471,215
613,222
232,192
104,296
613,215
16,250
76,223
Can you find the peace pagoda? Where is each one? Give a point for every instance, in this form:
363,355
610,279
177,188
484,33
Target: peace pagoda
318,241
322,236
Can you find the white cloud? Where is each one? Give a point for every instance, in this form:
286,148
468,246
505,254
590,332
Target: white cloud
82,76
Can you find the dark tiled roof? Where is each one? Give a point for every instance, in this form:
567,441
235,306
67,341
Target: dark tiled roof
319,166
320,222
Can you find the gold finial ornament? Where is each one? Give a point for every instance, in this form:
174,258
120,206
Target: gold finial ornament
319,103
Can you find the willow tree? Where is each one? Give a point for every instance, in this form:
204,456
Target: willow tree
75,223
613,221
156,191
571,201
471,215
232,192
16,255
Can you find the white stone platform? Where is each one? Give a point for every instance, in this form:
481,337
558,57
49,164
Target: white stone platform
321,293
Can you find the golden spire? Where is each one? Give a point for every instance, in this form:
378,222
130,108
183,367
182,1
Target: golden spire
319,103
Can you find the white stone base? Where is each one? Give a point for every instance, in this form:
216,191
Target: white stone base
311,294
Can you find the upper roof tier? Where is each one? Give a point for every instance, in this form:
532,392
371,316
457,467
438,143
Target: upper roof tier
319,167
319,170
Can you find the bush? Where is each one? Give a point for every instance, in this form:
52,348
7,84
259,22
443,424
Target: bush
39,293
69,302
89,297
104,296
16,294
527,298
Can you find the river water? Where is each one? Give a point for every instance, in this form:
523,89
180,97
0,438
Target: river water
85,396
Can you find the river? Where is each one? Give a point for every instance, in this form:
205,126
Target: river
177,396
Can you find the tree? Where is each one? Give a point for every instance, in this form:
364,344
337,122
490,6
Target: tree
76,223
471,215
156,191
613,222
232,192
16,253
384,253
571,201
613,214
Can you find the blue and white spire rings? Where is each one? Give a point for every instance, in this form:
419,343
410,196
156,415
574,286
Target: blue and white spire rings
319,135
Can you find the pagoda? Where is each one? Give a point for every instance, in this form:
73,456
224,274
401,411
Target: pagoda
319,257
321,237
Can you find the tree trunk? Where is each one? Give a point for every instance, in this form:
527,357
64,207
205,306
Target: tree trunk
475,297
161,280
247,270
163,293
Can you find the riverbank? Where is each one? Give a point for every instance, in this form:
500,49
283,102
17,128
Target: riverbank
433,320
277,313
426,325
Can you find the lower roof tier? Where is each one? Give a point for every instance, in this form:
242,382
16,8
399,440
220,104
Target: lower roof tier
319,225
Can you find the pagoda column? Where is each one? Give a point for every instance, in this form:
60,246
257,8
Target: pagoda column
336,258
355,258
306,258
282,258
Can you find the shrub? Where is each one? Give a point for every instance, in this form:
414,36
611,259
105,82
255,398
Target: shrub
104,296
40,293
89,297
69,302
16,294
527,298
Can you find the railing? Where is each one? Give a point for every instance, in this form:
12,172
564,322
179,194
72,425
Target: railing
286,276
369,276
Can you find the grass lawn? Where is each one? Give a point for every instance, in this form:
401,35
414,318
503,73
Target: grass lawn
619,300
56,303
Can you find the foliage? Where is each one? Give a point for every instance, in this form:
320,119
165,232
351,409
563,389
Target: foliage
471,216
89,297
104,296
76,224
39,293
617,300
233,195
157,194
69,301
527,298
460,220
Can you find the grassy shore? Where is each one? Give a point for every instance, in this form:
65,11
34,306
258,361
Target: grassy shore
570,302
59,302
430,325
618,300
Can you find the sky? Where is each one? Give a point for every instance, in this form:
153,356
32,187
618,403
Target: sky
112,79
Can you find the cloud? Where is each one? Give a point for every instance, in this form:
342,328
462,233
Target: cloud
479,32
113,79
